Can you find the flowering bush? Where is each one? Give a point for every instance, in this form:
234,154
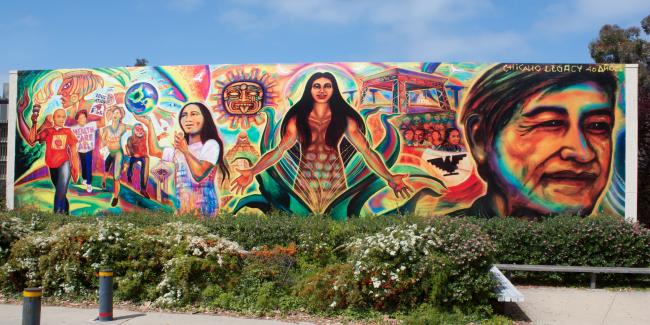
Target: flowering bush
393,267
11,229
22,268
444,263
207,260
470,253
64,261
297,264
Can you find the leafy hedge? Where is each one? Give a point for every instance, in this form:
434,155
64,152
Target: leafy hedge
569,240
284,263
279,262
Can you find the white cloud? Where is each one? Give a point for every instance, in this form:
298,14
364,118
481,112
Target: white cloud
483,47
242,19
586,15
406,29
369,11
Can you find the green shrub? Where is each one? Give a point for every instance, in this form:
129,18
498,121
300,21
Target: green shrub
333,287
444,263
567,240
394,267
428,314
11,230
251,230
471,253
357,267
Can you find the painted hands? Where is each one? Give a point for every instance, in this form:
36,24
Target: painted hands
241,183
23,102
35,112
401,190
142,119
180,144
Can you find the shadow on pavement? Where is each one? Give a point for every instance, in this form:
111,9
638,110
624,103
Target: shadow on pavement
128,316
514,312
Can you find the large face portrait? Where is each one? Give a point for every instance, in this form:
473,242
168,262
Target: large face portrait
243,98
554,154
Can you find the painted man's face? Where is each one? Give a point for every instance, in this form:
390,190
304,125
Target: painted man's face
117,116
322,90
138,130
68,98
243,98
58,118
554,155
419,135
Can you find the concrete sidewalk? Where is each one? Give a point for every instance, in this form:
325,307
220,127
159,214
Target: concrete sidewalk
550,305
543,305
12,315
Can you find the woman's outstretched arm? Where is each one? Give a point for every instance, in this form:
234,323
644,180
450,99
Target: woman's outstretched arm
269,159
372,158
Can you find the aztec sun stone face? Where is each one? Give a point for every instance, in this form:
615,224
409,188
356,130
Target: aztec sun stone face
243,98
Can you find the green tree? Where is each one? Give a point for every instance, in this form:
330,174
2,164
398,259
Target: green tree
141,62
627,45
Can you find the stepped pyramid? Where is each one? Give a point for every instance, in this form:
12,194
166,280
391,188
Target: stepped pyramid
243,149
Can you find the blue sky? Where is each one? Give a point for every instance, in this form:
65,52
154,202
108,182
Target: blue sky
76,34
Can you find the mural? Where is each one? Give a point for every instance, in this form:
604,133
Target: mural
342,139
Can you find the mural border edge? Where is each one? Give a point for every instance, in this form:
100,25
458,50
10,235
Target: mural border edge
11,138
631,141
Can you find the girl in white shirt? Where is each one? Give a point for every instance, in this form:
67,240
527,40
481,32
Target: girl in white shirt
195,154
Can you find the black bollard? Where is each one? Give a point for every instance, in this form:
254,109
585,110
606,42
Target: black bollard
105,295
32,306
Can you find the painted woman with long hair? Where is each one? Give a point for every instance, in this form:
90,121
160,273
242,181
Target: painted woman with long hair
195,154
324,125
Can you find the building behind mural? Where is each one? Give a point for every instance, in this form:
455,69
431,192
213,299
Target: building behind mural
4,103
343,139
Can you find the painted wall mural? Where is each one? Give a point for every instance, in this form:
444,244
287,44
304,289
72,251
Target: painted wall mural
343,139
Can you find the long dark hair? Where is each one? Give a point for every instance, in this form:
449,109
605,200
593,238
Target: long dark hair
448,135
208,131
340,109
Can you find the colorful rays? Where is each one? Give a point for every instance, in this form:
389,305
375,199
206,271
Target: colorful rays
225,77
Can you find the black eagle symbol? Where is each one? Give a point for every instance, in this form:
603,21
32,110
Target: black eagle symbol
448,163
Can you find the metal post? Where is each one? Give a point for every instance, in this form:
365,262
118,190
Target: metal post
32,306
105,295
593,280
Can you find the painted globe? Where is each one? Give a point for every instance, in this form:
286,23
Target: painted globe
141,98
